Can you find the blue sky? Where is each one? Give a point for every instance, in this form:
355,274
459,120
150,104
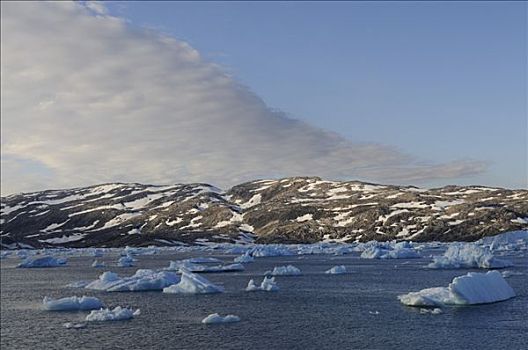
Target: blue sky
421,93
440,80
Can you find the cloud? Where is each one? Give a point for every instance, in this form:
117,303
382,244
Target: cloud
88,98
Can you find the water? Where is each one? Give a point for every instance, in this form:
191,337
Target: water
358,310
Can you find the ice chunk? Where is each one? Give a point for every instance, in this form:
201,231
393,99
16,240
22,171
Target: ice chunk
70,325
78,284
142,280
126,261
271,250
117,314
388,253
45,261
460,255
289,270
435,311
203,260
268,285
245,258
72,303
216,318
192,267
509,273
336,270
191,283
473,288
98,264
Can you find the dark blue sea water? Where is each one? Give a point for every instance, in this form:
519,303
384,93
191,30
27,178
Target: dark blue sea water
358,310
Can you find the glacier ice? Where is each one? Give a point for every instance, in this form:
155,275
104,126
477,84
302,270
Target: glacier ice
336,270
142,280
45,261
289,270
467,255
72,303
117,314
389,252
268,285
191,283
216,318
472,288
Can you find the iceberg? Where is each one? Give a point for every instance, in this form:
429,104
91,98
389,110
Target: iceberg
193,267
374,252
126,261
336,270
470,289
216,318
191,283
267,285
270,250
142,280
289,270
45,261
98,264
117,314
459,256
78,284
70,325
72,303
245,258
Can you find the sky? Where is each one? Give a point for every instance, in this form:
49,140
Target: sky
422,93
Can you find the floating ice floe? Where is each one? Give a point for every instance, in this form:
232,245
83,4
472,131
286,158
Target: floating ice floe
203,260
98,264
245,258
71,325
72,303
191,283
192,267
473,288
398,251
142,280
45,261
289,270
271,250
336,270
461,255
509,273
216,318
435,311
508,241
117,314
78,284
268,285
126,261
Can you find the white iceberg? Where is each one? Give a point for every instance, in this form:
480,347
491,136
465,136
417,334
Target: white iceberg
468,255
117,314
126,261
78,284
216,318
270,250
72,303
289,270
268,285
70,325
193,267
191,283
245,258
473,288
435,311
45,261
98,264
375,252
337,270
142,280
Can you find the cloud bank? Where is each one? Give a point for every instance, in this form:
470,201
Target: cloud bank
87,98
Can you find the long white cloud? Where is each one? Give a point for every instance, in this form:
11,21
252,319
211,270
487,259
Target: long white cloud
88,98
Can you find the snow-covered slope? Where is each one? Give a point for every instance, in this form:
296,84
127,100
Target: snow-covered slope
287,210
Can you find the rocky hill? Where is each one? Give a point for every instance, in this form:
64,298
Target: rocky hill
289,210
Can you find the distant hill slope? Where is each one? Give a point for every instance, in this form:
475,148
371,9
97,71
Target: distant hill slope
290,210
